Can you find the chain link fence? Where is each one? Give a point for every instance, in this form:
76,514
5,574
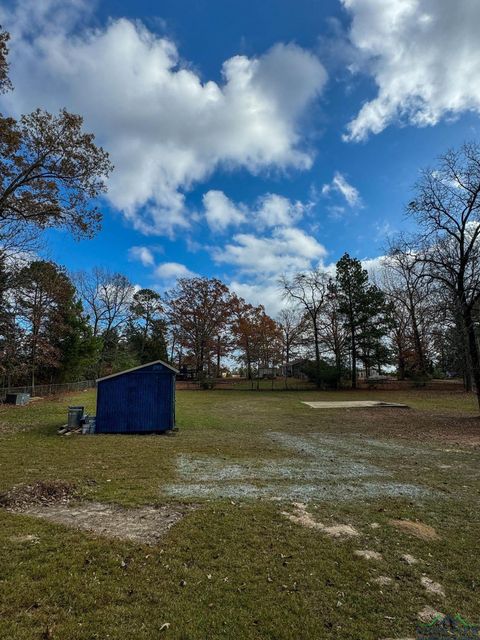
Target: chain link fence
49,389
278,384
242,384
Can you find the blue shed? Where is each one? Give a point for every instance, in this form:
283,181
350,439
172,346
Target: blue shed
139,400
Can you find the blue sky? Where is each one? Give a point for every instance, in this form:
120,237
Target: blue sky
249,138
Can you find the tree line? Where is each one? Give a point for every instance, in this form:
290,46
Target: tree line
417,315
59,327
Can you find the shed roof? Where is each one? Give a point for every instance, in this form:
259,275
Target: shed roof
142,366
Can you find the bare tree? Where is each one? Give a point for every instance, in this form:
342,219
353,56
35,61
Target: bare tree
408,286
447,209
88,286
308,291
333,334
116,295
107,298
292,327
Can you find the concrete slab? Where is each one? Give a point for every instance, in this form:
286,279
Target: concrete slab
352,404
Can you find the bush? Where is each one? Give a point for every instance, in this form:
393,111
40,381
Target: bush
419,380
328,377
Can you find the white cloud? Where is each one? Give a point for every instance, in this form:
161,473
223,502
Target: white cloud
266,293
340,185
424,56
374,266
165,127
286,249
270,210
336,212
221,212
172,270
141,254
274,210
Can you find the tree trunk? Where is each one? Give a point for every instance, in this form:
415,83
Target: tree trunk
467,363
33,360
338,359
417,342
467,377
354,360
317,353
472,348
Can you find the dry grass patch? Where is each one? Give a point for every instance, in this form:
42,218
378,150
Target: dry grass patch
417,529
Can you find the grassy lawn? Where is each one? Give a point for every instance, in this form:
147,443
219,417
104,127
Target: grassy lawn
236,566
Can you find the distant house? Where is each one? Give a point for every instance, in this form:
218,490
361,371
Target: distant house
269,372
187,372
374,374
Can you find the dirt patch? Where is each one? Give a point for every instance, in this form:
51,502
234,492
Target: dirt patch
427,614
432,587
303,518
29,538
145,525
341,530
368,555
417,529
39,493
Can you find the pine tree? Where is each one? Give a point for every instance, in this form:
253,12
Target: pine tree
78,349
365,312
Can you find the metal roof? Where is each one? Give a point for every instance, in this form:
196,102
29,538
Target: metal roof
142,366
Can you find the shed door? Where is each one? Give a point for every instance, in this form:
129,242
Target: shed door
149,399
